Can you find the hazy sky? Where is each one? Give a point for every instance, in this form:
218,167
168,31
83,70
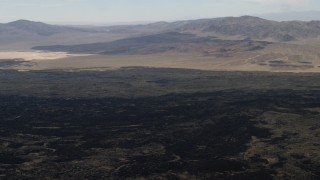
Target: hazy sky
111,11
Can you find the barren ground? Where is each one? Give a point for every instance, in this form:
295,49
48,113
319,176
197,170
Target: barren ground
277,57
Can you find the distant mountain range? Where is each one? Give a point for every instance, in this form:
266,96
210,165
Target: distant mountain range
245,27
292,16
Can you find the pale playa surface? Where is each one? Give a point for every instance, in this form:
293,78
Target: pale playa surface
35,55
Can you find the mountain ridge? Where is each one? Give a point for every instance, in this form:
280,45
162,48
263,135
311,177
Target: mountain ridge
237,28
292,16
244,26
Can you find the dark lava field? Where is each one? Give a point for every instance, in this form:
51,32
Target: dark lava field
141,123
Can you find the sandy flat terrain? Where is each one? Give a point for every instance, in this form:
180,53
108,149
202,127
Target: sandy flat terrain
243,62
274,58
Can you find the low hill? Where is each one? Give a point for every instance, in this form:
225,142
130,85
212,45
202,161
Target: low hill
24,34
159,43
39,28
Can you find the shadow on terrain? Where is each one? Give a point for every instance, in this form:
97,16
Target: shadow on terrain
200,135
159,123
